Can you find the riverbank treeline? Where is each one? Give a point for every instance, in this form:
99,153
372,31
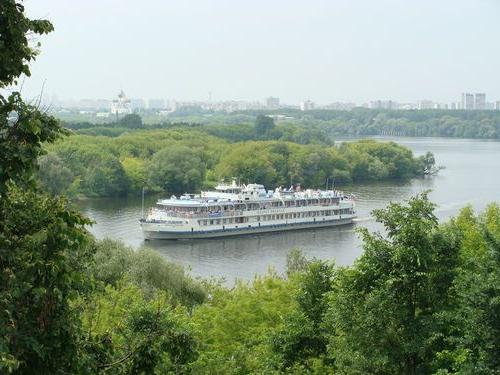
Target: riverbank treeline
181,159
369,122
435,123
296,125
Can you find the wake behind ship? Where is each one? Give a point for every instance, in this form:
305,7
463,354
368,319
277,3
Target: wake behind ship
233,209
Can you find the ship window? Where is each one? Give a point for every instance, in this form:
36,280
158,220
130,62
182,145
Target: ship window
211,222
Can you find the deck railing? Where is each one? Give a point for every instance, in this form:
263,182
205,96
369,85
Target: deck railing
231,213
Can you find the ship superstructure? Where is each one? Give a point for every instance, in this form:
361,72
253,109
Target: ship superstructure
233,209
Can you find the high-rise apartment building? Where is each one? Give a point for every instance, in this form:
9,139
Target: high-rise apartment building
272,102
383,104
426,104
467,102
480,101
306,105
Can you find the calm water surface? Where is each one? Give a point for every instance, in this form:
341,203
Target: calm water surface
472,176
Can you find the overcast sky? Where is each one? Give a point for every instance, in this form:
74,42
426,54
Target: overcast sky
352,50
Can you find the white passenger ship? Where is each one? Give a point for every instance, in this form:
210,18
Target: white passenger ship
234,209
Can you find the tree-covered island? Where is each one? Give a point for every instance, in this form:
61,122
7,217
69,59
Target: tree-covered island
179,158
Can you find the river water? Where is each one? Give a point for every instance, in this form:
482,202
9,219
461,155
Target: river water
471,177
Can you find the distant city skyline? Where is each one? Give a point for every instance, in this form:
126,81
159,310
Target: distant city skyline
321,50
122,104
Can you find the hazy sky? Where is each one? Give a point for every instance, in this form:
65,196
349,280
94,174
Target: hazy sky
352,50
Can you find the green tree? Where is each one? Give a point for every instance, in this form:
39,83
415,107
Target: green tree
131,121
382,314
233,327
263,126
42,252
16,52
176,169
296,262
471,325
302,338
127,333
53,175
135,170
251,163
106,177
427,163
42,255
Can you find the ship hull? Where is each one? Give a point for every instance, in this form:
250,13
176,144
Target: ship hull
154,232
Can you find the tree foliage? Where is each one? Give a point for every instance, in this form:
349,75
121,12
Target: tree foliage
42,252
176,169
53,175
369,122
263,126
179,160
16,51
